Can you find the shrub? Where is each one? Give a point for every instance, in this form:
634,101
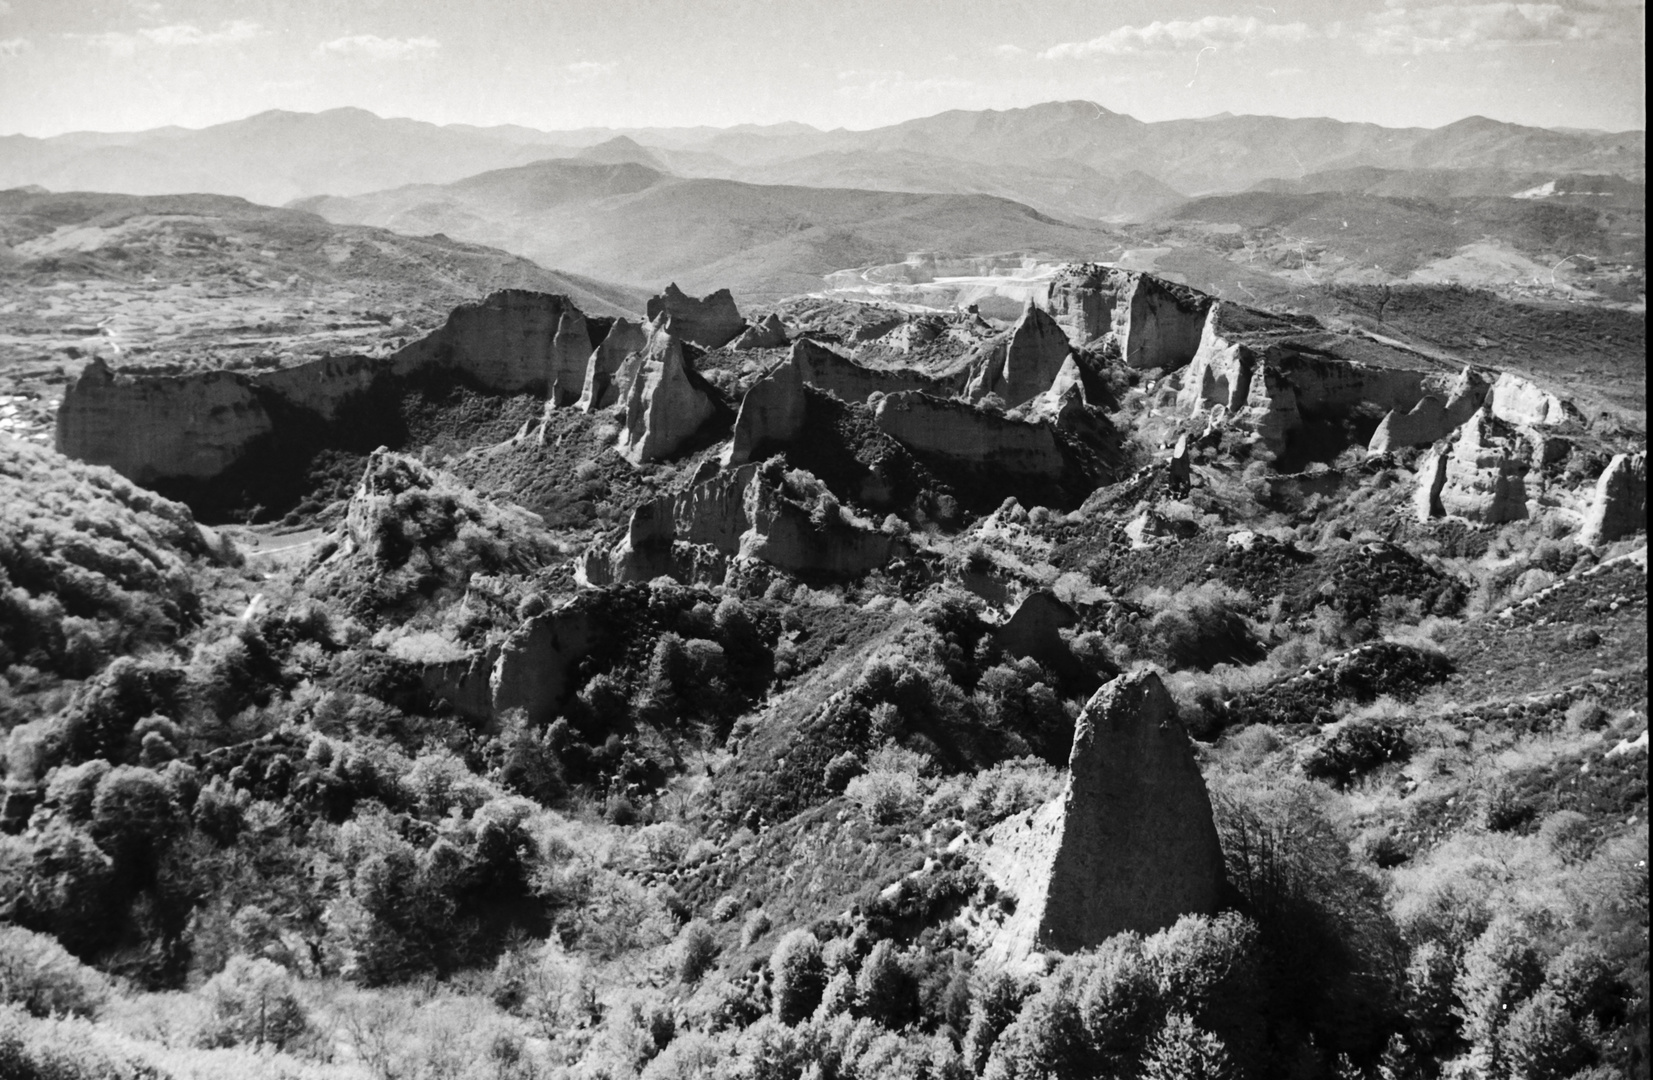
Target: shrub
884,989
41,976
841,770
797,976
696,950
1356,749
253,1002
756,925
1181,1051
1498,971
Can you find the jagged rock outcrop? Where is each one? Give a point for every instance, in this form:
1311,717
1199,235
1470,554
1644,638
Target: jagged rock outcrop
1024,363
842,377
161,428
958,431
1179,470
1156,323
755,512
602,387
1619,506
771,414
1433,418
768,333
534,668
709,321
1270,410
195,427
664,406
504,343
1515,400
1130,845
1480,475
1035,630
570,356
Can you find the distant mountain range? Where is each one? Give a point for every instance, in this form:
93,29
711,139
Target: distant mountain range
630,223
1072,159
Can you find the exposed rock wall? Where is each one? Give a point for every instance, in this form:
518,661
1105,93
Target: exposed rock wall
1480,475
664,407
959,431
1433,418
1515,400
570,356
601,387
1130,845
1619,505
150,429
771,414
742,513
1024,363
709,321
768,333
156,428
826,370
1220,372
504,343
535,667
1156,323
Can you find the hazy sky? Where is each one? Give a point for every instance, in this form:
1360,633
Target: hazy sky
127,64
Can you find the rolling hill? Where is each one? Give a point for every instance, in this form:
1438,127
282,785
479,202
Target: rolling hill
630,223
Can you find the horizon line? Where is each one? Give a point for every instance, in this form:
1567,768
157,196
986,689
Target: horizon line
801,123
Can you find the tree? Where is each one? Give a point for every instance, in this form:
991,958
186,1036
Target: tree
1181,1051
797,976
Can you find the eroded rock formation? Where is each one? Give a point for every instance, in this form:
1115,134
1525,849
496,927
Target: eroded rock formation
753,512
1480,475
570,356
771,414
1157,324
842,377
958,431
157,428
767,333
1130,845
1024,363
601,387
1618,507
664,406
1433,418
709,321
1515,400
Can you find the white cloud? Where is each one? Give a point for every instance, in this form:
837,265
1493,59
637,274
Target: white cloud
1213,31
374,47
1480,27
1009,52
14,46
581,71
176,35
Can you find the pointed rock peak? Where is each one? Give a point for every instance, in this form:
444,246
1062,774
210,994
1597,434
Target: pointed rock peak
1131,845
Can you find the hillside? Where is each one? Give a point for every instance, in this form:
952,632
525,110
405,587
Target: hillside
629,223
181,282
1159,687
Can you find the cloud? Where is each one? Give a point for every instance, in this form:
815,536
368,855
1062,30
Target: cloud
1482,27
1213,31
1009,52
581,71
374,47
16,46
176,35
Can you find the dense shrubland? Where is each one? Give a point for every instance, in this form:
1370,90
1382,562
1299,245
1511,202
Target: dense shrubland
247,838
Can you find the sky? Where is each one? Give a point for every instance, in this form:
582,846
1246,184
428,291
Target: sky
122,65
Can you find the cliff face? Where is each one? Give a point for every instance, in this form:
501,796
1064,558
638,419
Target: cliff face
504,343
709,321
151,429
1481,475
1433,418
1131,844
570,354
1618,507
742,513
1024,364
771,414
1156,324
664,408
839,375
158,428
1515,400
601,386
960,432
